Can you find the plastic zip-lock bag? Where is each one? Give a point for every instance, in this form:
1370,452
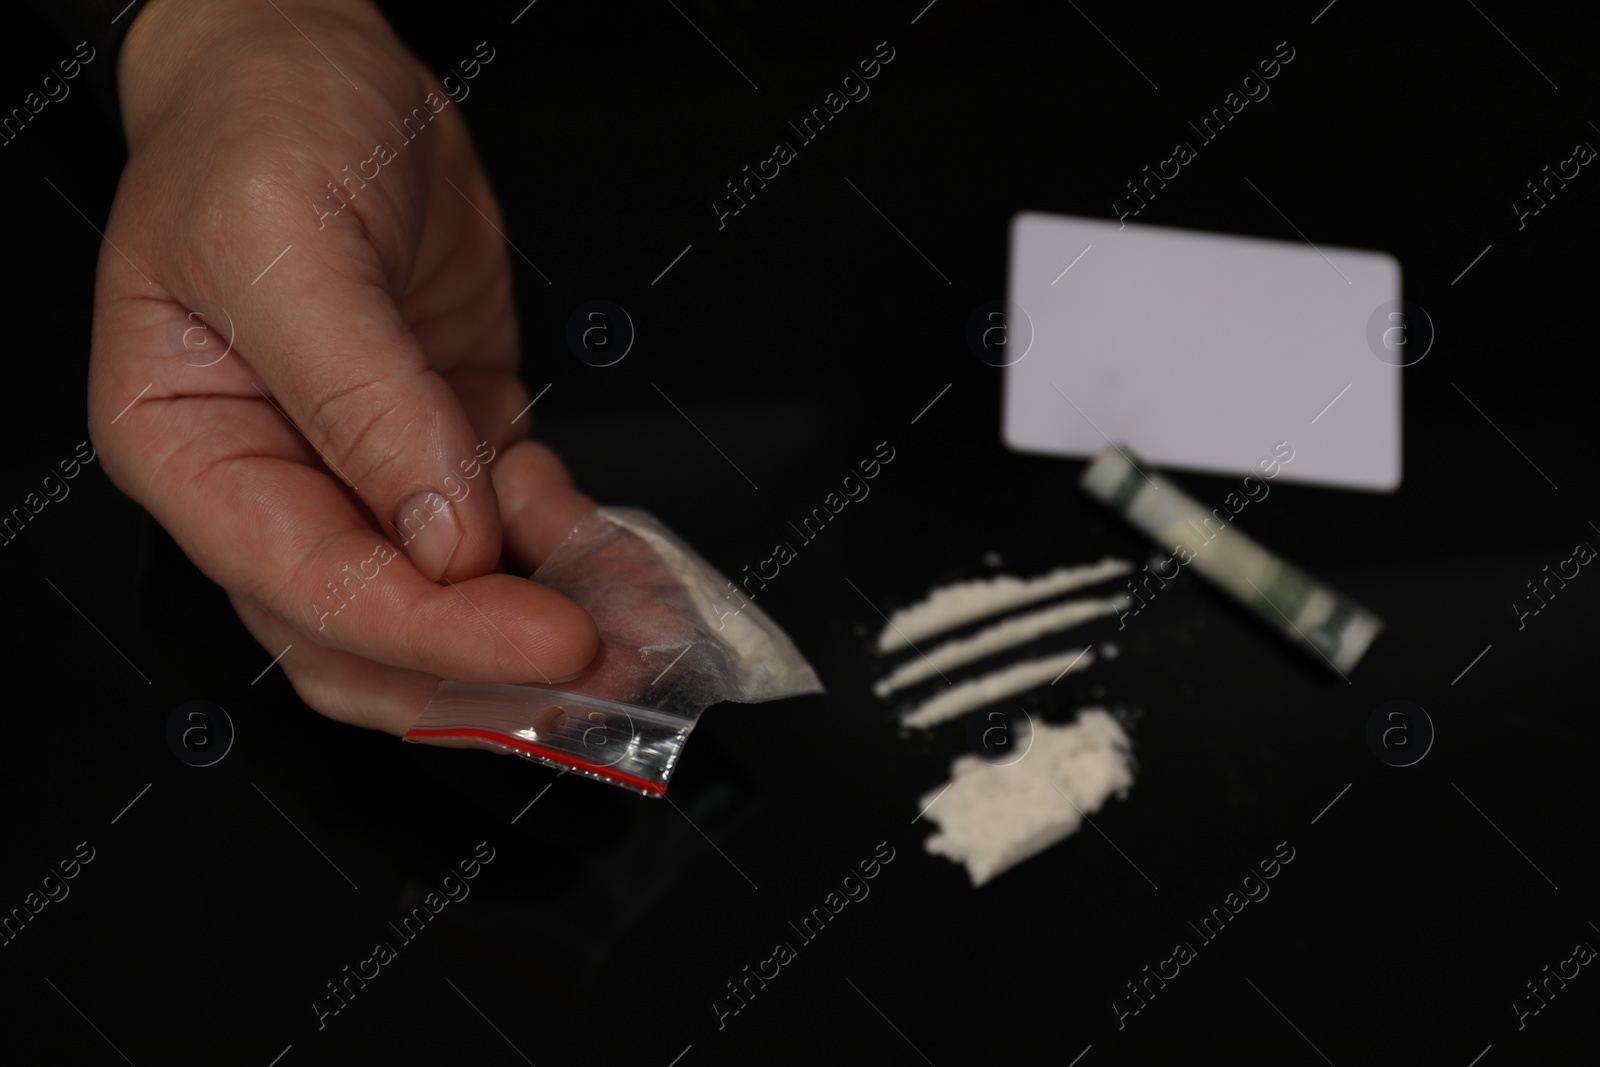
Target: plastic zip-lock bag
675,638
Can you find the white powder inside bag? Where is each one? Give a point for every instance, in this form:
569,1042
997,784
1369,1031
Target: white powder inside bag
988,688
1014,631
959,603
992,817
761,656
748,631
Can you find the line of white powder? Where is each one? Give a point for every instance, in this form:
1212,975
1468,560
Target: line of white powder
955,605
1014,631
988,688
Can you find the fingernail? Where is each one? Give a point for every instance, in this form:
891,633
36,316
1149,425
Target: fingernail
428,532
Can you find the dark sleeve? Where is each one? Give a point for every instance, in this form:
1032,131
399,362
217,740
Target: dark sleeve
94,29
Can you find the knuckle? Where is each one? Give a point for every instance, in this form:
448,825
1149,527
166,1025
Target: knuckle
355,422
250,191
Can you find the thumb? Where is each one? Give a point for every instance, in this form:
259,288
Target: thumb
324,333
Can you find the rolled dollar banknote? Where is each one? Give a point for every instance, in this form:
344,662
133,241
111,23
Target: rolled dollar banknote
1291,601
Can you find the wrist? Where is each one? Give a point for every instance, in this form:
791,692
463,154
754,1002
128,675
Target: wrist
174,46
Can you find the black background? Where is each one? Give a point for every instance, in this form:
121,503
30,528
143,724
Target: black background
797,338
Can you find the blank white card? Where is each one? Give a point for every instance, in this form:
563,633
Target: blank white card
1201,351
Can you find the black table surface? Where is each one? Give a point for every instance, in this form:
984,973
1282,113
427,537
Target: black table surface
1421,900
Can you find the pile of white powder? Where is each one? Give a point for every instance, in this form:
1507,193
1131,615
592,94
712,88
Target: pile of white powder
992,817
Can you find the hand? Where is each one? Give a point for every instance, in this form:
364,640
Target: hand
329,471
